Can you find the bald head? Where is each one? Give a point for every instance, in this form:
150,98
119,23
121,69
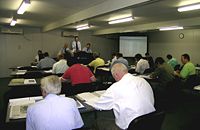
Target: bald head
118,70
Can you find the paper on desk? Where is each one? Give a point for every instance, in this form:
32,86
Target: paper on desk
19,80
18,108
88,97
21,72
48,71
30,81
99,93
197,87
145,76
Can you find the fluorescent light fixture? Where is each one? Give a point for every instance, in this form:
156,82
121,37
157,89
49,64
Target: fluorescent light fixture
170,28
13,22
121,20
82,27
189,7
23,6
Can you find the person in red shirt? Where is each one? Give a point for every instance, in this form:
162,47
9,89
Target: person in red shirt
78,74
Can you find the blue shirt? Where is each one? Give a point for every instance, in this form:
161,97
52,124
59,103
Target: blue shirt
53,113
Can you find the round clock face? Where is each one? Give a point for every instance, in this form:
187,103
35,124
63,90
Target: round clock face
181,35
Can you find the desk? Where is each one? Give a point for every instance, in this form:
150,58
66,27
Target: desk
82,110
31,74
198,70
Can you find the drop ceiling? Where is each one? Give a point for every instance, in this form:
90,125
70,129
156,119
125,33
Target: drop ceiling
67,14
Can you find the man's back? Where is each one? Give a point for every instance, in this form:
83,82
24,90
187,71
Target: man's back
129,98
78,74
46,62
60,66
54,113
141,66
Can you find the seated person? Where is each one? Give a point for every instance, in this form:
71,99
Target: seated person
96,62
87,49
114,58
65,51
53,112
188,67
141,65
38,57
120,59
149,58
61,66
78,74
129,97
46,62
164,72
172,61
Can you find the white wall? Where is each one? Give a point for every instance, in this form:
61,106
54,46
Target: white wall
20,50
162,43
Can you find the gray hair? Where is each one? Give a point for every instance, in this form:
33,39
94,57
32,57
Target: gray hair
119,67
51,84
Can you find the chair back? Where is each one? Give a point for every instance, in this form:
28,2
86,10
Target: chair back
191,81
151,121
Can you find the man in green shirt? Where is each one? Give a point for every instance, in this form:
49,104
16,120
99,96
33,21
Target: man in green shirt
188,67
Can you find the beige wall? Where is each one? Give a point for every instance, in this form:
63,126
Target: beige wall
162,43
20,50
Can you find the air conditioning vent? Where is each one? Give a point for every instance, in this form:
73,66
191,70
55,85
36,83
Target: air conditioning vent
12,30
69,33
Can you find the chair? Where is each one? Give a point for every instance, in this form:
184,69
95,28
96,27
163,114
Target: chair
151,121
191,81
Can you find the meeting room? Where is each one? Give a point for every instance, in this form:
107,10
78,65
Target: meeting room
99,64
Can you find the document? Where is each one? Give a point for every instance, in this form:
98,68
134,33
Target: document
99,93
18,80
88,98
30,81
197,88
79,105
21,72
145,76
18,108
48,71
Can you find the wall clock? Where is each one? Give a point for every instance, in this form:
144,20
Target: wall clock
181,35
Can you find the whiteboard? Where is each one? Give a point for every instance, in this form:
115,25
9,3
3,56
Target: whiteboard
131,45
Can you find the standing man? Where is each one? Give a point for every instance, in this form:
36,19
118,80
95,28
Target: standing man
129,97
76,45
54,112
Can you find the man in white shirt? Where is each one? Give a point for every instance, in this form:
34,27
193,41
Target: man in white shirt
87,49
61,66
141,65
53,112
76,45
129,97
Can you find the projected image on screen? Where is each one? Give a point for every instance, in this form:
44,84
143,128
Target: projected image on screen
131,45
